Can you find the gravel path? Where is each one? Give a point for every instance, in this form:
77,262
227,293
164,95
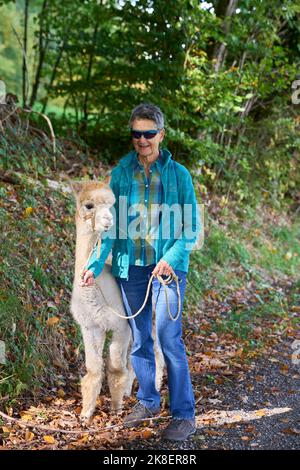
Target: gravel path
259,411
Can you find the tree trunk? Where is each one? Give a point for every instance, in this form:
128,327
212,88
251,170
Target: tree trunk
54,70
24,68
72,94
88,77
42,53
229,6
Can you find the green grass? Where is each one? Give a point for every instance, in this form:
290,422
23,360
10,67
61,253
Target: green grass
247,246
243,248
282,252
18,330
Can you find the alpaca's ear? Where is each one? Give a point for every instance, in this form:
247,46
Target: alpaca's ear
107,179
76,186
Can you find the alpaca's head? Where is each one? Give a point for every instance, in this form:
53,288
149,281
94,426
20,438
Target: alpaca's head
93,202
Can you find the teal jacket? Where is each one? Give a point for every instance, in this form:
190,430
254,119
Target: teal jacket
174,240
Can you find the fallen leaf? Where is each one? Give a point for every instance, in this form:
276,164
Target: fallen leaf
28,211
291,431
5,429
146,434
284,369
237,418
49,439
259,378
29,436
284,420
212,432
25,416
250,428
52,321
84,439
58,363
260,413
244,399
219,380
227,372
214,401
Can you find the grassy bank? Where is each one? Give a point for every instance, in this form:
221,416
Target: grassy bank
245,283
37,245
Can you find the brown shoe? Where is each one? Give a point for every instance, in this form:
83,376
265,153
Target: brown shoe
138,415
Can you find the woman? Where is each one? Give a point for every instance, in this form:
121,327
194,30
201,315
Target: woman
152,239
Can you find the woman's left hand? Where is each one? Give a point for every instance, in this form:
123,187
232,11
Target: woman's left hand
161,268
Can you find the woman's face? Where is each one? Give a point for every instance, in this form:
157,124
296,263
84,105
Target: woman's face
147,147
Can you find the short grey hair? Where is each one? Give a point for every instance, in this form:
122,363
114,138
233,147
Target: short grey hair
148,111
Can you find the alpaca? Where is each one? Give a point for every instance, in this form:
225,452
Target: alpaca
89,305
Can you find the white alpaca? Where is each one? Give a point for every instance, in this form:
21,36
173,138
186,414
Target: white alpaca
89,305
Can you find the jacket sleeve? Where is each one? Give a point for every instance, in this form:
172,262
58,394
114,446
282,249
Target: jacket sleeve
107,238
191,221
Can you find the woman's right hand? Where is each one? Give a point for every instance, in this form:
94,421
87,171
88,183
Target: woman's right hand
87,278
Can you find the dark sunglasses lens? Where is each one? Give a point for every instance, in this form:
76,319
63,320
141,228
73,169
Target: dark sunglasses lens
136,134
147,134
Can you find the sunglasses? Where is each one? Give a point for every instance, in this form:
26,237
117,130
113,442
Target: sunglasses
147,134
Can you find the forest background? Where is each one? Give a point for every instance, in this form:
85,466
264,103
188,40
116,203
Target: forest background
226,75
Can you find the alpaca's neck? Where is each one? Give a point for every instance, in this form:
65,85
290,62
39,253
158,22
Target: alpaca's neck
84,244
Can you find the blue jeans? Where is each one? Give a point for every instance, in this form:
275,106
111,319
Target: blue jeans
169,337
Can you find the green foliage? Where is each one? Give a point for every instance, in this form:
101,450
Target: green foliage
249,247
22,359
224,82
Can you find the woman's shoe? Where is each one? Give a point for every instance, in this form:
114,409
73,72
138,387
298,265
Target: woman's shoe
179,429
138,415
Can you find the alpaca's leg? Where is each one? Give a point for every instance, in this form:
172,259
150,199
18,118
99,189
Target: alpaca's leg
91,383
159,363
117,373
130,373
159,357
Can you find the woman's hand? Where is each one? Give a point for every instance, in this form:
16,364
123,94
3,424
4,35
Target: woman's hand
161,268
87,278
